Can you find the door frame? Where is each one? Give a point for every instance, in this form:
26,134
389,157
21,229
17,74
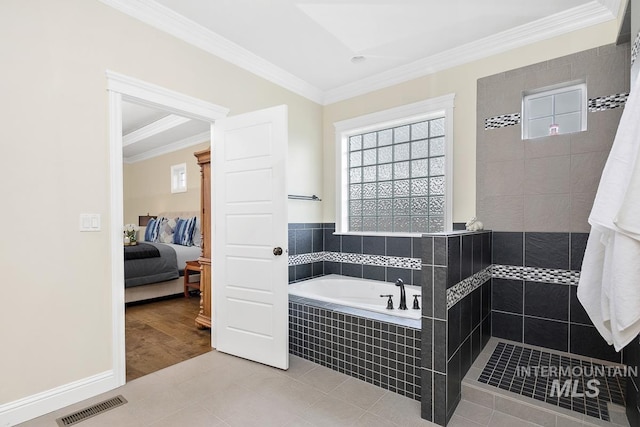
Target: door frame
123,88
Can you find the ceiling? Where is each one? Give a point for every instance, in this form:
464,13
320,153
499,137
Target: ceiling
329,50
148,132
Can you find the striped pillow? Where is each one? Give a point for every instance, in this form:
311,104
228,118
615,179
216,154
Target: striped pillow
151,232
183,233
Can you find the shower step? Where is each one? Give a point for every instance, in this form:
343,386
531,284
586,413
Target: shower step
488,392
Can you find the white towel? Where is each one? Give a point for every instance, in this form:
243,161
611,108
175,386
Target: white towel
609,287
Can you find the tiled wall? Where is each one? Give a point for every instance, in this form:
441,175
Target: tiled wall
306,239
368,348
455,316
632,398
534,301
369,257
537,194
546,184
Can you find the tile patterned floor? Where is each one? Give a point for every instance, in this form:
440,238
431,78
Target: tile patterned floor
216,389
504,370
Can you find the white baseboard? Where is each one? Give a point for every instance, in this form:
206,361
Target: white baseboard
33,406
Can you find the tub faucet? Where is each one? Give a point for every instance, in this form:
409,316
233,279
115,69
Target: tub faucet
403,295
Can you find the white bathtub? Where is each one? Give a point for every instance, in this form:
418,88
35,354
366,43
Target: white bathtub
357,293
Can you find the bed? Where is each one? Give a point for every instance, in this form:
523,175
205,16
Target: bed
154,269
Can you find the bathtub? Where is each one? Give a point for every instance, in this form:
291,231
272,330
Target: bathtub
358,293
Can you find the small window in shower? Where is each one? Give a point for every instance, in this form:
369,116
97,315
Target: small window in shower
554,111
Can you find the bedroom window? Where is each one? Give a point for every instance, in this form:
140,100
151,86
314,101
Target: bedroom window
554,111
179,178
395,167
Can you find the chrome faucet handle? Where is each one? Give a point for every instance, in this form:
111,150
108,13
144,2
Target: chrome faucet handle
389,301
416,305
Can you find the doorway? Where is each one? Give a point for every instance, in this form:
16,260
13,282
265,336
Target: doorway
125,89
159,314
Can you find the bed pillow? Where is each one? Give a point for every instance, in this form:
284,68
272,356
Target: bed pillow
151,232
197,234
183,234
167,227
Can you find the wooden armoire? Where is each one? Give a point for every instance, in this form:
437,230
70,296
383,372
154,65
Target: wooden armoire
204,317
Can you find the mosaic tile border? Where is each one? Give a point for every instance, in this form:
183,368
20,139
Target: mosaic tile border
635,48
349,258
600,103
508,360
468,285
505,120
532,274
535,274
603,103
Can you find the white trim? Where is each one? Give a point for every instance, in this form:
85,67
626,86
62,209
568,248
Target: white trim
548,92
38,404
116,215
159,126
170,148
155,96
429,108
126,88
167,20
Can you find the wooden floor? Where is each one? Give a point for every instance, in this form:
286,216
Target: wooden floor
163,333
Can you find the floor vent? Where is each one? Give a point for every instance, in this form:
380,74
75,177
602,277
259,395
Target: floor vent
91,411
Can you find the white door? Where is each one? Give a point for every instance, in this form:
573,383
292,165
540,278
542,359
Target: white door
250,263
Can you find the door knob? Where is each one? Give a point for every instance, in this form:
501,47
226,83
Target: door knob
277,251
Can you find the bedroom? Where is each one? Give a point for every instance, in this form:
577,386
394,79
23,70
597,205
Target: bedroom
160,327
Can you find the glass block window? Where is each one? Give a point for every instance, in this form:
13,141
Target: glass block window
396,178
554,111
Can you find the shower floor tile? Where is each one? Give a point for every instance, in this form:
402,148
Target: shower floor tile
571,383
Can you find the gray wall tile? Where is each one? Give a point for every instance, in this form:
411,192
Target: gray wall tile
547,212
491,176
602,127
581,204
561,172
559,145
586,170
547,175
547,77
497,145
504,213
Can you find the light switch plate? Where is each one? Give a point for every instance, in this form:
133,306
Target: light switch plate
89,222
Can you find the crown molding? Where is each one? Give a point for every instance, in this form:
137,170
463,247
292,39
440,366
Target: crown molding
170,148
165,19
573,19
154,128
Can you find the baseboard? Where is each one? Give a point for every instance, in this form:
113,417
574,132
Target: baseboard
33,406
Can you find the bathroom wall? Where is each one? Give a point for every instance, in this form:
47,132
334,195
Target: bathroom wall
315,250
456,322
536,196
